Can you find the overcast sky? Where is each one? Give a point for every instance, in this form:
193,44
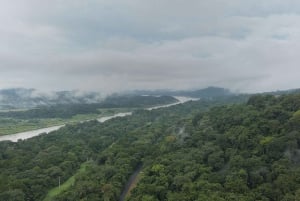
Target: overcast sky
111,45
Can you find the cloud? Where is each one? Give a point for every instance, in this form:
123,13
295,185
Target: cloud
133,44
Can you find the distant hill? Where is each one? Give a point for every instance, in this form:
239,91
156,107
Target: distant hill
209,92
281,92
30,98
17,98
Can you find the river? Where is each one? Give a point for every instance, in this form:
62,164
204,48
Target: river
181,99
29,134
122,114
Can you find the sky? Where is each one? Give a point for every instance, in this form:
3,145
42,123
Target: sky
117,45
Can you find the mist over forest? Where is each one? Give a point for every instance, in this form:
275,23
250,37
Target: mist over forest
139,100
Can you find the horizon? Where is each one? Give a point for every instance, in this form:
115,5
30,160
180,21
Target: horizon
84,92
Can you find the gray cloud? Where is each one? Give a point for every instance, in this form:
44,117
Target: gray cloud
133,44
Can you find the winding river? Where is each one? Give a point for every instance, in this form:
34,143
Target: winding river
29,134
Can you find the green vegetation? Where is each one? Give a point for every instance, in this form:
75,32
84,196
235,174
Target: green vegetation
25,120
11,126
219,150
134,184
70,110
66,185
29,169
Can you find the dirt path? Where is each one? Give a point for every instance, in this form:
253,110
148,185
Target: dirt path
130,183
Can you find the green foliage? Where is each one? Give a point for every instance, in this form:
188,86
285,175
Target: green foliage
266,140
69,110
67,184
244,152
12,122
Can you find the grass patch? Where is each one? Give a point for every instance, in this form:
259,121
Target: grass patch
66,185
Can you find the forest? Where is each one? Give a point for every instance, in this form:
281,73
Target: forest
230,148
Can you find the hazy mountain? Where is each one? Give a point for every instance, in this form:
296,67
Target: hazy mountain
20,98
209,92
16,98
29,98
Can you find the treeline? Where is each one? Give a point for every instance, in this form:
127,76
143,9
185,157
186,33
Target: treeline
69,110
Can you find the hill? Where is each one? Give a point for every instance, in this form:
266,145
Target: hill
210,92
20,98
30,98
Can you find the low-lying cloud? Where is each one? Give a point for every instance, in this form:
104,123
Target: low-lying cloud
121,45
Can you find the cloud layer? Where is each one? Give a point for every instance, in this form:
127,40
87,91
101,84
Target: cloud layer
136,44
